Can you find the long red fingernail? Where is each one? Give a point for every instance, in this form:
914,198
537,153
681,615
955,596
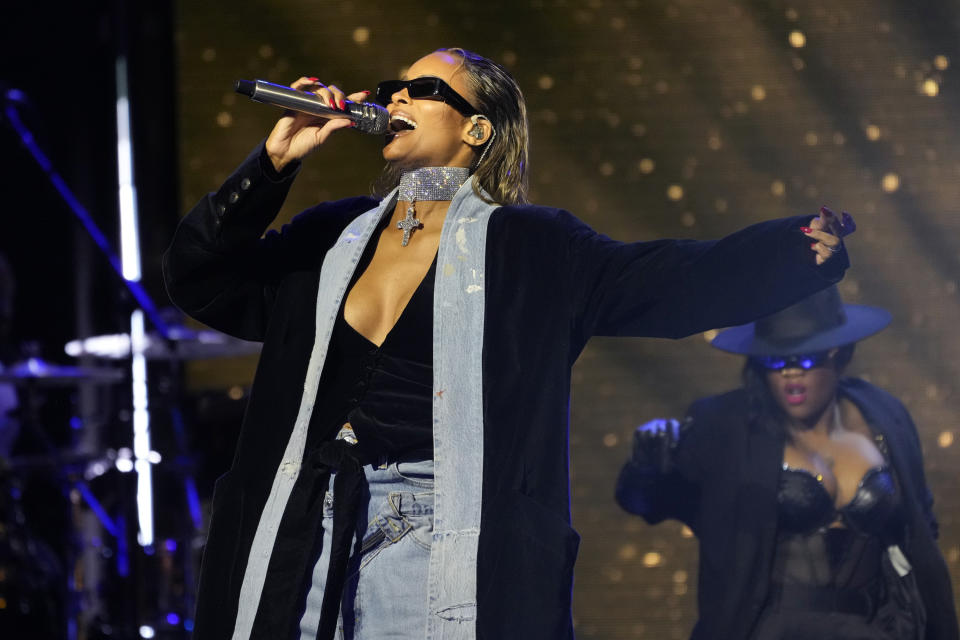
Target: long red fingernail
813,246
343,105
806,229
313,79
367,92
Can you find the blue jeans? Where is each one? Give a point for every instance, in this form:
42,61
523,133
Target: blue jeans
386,591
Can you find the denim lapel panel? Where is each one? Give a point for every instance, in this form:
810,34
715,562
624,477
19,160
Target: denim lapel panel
458,317
335,274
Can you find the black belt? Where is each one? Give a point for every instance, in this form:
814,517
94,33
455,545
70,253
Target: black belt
348,485
862,602
298,536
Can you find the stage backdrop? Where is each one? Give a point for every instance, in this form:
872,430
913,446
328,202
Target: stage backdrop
655,119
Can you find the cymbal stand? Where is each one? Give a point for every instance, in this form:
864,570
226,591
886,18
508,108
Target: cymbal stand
146,307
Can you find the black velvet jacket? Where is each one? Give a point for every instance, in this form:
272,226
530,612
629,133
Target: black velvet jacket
551,282
725,489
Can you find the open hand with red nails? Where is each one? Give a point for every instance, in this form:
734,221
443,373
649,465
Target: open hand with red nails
828,231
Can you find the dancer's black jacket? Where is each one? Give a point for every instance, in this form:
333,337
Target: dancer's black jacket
551,283
724,487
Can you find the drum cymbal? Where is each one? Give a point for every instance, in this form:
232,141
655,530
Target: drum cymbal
35,371
184,344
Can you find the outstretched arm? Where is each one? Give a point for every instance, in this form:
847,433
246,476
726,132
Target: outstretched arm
674,288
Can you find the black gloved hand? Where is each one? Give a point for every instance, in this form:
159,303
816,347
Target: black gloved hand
655,442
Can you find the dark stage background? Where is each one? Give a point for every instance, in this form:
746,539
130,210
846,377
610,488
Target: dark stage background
687,118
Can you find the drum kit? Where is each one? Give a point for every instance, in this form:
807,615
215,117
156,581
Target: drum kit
70,565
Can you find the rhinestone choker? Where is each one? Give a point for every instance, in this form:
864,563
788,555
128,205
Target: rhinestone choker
427,184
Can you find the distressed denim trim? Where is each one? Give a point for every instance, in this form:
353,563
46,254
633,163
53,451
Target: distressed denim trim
335,274
458,313
459,297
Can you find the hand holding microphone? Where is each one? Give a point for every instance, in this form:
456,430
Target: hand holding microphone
316,111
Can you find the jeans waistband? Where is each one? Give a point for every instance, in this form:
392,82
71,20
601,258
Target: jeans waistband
414,473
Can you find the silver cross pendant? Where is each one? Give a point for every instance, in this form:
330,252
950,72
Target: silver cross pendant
408,224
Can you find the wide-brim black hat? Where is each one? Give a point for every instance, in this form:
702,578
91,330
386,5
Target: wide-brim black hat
816,323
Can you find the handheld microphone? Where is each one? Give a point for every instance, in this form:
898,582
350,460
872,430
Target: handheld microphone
370,118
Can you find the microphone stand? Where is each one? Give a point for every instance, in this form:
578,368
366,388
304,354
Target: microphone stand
83,216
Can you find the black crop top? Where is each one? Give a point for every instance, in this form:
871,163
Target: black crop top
385,392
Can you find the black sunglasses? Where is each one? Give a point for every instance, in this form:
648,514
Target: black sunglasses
804,361
425,88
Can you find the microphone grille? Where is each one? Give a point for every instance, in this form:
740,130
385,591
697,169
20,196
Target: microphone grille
245,87
375,119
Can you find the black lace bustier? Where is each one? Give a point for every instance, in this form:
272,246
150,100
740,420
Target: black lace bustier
810,552
805,505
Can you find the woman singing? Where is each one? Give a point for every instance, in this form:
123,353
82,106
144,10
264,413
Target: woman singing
805,489
402,466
